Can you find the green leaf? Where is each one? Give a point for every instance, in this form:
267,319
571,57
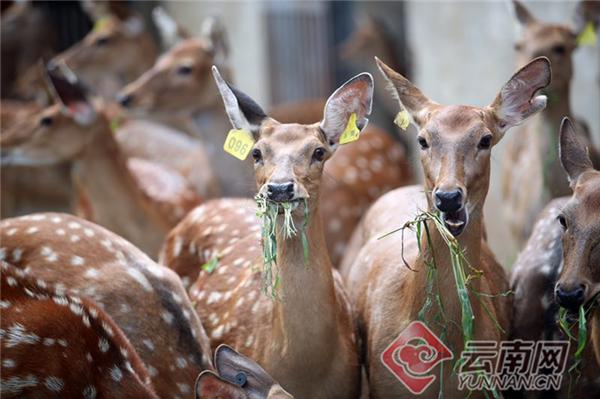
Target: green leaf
211,265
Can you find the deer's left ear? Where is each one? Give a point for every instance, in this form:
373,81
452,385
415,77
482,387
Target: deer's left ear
213,32
573,154
68,92
517,99
586,12
211,386
353,97
243,112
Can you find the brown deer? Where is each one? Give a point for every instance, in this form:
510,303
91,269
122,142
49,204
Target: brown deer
63,345
455,142
557,264
180,82
237,377
68,255
305,339
531,174
134,198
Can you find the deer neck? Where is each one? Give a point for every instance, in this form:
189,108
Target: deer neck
444,285
112,195
305,319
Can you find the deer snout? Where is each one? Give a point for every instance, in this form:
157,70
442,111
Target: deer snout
124,99
449,201
280,192
570,297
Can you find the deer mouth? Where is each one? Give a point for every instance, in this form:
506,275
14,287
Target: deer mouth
456,222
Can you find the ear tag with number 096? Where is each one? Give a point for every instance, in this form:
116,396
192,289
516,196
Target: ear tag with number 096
238,143
351,133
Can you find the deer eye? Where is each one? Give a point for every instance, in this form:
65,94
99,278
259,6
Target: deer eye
102,41
46,121
486,142
423,143
563,221
257,155
559,49
319,154
184,70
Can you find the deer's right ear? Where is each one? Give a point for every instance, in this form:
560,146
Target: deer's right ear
517,99
169,30
407,94
573,154
522,14
68,92
211,386
353,97
243,112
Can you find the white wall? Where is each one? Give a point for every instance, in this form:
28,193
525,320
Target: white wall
464,53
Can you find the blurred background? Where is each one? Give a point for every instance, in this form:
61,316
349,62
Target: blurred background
284,51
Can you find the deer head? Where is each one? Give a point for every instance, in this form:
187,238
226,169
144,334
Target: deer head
181,76
553,41
456,140
289,158
240,377
579,281
57,133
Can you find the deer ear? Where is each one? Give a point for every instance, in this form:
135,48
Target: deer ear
211,386
586,12
68,92
573,154
169,30
353,97
243,112
522,14
244,371
408,95
213,32
517,101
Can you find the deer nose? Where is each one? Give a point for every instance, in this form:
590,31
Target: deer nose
125,99
448,201
280,191
570,299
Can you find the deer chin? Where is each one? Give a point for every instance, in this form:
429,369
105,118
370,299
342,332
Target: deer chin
456,222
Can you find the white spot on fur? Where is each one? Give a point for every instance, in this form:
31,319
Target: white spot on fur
17,384
217,332
8,363
103,345
32,230
167,317
77,260
116,373
140,278
54,384
90,392
17,335
91,273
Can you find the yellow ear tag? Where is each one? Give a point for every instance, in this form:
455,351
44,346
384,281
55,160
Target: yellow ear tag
402,120
100,23
238,143
588,36
351,133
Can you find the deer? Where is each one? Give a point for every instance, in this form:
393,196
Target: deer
320,361
63,345
181,82
237,377
132,197
555,268
388,275
531,174
67,255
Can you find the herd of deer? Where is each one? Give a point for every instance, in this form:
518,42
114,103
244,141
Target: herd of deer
109,321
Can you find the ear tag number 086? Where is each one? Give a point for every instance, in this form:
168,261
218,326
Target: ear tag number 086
238,143
351,133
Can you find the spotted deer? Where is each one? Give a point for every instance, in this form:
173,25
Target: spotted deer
237,377
63,345
531,173
305,338
556,267
180,82
67,255
132,197
455,145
